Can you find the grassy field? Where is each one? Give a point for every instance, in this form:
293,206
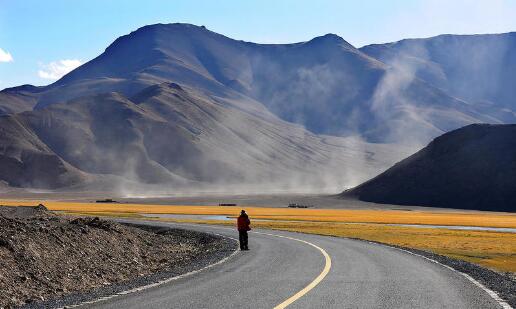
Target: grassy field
490,249
485,219
494,250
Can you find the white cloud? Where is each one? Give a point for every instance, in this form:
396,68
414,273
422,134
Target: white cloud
56,69
5,56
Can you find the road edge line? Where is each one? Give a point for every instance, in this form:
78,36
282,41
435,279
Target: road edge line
158,283
306,289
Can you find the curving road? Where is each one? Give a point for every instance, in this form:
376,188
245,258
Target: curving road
361,275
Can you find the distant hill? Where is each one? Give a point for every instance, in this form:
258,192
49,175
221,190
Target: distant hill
471,168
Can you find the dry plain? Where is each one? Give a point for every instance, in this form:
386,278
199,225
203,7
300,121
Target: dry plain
492,249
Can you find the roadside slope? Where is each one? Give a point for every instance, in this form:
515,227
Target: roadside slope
44,256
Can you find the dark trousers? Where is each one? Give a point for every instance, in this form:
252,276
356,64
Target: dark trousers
243,238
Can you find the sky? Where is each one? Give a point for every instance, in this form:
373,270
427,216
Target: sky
42,40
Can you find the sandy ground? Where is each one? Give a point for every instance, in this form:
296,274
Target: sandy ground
257,200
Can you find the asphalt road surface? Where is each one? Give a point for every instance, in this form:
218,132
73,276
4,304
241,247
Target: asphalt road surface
311,272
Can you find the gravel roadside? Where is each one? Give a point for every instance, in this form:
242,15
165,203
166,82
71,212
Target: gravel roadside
49,261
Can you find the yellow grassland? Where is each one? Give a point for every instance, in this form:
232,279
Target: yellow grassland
494,250
484,219
490,249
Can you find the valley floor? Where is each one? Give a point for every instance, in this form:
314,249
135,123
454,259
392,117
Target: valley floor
390,224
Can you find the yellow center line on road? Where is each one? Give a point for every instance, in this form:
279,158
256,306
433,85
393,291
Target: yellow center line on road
315,282
306,289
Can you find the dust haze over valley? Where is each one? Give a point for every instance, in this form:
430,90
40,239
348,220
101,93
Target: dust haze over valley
178,108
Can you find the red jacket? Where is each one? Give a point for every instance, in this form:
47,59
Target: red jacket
243,223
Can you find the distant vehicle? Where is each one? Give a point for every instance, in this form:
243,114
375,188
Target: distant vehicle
227,204
295,205
108,200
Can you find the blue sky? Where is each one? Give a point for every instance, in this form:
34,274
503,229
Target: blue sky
41,40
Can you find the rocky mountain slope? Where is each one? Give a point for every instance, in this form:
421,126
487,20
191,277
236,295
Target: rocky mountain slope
18,99
471,168
324,84
171,136
476,68
179,105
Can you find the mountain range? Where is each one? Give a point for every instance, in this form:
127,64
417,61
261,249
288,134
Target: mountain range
180,105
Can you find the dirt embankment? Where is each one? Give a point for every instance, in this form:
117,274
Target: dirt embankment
44,256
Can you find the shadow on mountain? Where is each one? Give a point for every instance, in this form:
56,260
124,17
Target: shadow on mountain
470,168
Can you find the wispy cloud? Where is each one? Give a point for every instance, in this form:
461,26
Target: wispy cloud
56,69
5,56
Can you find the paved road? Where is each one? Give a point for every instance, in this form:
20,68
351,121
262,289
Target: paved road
362,275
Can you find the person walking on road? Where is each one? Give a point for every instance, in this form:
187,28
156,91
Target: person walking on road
243,226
